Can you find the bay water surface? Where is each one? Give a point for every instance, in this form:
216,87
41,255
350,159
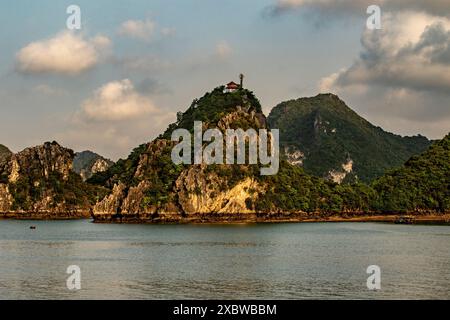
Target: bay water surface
261,261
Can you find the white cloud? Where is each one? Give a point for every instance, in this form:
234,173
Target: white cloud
139,29
327,84
117,101
414,54
114,120
113,139
65,53
401,77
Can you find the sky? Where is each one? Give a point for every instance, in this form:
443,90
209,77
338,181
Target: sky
119,80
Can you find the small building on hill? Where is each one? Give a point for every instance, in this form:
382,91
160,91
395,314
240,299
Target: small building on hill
231,87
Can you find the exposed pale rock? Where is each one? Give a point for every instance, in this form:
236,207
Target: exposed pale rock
112,203
100,165
135,198
348,167
201,193
14,175
338,176
6,200
257,120
294,156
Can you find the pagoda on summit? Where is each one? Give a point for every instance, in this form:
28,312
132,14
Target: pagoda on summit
233,86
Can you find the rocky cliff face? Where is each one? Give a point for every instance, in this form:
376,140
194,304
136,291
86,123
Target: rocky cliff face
111,204
338,175
38,182
6,200
201,193
39,162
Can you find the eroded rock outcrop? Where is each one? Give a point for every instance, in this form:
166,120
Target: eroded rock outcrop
6,200
38,182
294,156
41,161
338,176
112,203
200,192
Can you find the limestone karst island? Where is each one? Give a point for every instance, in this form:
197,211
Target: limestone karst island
334,166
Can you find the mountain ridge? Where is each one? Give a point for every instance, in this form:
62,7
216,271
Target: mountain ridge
330,140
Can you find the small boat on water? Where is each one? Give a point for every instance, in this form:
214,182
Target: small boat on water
33,227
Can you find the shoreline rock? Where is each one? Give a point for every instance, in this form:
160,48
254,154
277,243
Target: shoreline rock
163,218
45,215
411,218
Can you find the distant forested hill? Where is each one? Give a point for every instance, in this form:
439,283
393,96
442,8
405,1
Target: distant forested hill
328,139
423,183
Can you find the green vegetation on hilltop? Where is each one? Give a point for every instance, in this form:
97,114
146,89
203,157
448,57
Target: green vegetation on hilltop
329,134
212,107
423,183
152,162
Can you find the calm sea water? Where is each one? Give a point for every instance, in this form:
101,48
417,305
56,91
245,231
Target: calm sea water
277,261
